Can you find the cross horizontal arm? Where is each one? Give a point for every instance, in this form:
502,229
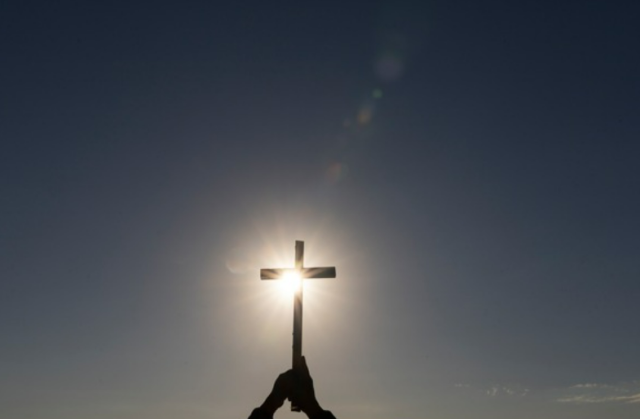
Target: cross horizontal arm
274,273
326,272
307,273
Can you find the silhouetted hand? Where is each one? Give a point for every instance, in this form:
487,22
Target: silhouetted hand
280,392
303,394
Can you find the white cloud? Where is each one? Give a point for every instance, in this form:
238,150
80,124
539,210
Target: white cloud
601,393
507,391
496,390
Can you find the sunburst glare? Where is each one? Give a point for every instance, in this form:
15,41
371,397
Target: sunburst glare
290,282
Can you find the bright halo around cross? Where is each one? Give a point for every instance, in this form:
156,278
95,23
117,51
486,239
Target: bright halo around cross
291,282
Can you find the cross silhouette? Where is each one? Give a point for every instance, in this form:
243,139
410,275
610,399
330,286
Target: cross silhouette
302,273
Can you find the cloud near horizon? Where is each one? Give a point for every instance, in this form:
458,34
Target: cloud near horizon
602,393
497,390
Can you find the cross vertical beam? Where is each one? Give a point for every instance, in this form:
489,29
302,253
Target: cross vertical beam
296,360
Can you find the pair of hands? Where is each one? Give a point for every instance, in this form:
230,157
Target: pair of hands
296,386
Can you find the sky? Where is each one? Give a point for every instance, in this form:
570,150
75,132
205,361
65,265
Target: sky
470,168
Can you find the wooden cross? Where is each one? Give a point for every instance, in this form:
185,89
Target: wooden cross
302,273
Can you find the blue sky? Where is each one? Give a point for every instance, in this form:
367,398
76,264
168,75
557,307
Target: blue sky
471,169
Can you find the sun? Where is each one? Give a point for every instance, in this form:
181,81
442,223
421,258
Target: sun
290,282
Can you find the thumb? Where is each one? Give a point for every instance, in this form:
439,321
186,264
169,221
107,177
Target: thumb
304,369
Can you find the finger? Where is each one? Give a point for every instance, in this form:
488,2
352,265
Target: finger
304,368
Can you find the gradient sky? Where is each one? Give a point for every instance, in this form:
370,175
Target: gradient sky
471,168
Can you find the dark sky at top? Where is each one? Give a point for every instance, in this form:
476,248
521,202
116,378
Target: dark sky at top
474,167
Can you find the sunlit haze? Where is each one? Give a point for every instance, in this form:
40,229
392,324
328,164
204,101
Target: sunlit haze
470,169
